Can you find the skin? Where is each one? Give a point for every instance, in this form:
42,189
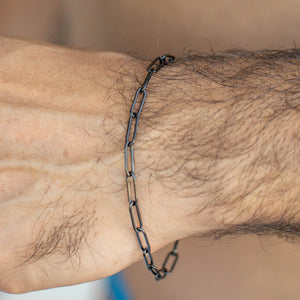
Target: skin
217,154
250,25
64,213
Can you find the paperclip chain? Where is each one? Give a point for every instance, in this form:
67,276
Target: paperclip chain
134,210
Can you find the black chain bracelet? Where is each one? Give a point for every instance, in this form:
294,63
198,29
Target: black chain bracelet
134,210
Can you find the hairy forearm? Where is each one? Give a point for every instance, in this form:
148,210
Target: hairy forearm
230,129
217,152
218,133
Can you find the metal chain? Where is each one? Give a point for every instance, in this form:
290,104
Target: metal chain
134,210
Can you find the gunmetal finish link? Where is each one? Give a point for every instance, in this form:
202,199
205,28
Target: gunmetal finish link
134,211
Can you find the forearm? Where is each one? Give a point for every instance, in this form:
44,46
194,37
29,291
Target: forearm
230,129
229,126
217,152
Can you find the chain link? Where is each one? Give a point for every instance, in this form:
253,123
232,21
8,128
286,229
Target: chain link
134,211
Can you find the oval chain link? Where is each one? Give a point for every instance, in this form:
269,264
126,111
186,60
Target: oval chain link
134,211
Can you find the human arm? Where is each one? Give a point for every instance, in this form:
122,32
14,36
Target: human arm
205,156
61,175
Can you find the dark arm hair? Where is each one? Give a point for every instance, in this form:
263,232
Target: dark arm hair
225,130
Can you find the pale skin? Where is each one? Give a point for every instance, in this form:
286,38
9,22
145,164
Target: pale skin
64,211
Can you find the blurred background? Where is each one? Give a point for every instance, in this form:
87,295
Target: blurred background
241,268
